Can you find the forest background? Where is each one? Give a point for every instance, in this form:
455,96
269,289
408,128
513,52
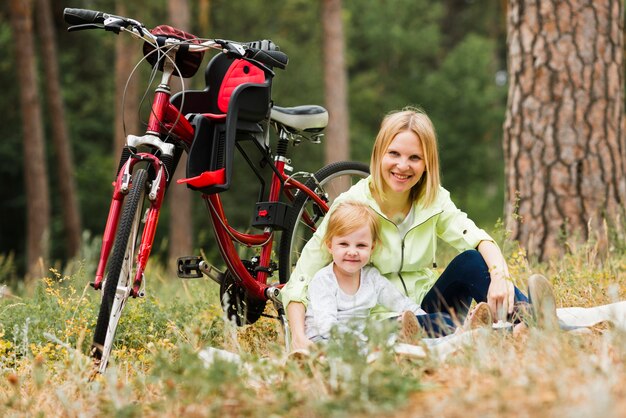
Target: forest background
448,57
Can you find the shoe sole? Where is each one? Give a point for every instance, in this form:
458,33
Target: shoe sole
479,317
409,329
543,302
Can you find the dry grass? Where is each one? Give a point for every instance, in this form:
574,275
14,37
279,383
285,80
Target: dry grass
536,374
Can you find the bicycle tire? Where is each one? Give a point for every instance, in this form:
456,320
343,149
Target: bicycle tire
296,234
119,268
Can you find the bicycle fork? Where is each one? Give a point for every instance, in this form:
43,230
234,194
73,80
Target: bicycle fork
155,196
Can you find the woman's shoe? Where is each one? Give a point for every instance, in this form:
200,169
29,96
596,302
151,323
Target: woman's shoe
543,302
479,317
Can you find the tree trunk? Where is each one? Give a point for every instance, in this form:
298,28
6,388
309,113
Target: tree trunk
337,146
563,134
60,137
126,98
35,176
181,238
204,17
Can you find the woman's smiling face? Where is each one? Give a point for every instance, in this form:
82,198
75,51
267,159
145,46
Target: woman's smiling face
403,163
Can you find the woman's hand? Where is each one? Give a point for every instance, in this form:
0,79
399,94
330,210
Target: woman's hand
300,343
295,316
501,293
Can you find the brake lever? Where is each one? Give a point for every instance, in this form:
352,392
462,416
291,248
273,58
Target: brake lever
86,26
231,48
115,24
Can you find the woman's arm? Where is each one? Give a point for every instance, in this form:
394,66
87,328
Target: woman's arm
313,258
501,294
295,316
294,294
324,311
455,228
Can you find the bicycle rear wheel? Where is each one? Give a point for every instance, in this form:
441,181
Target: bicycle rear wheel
120,272
306,215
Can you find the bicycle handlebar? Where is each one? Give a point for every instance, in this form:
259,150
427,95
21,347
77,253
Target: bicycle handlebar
82,16
272,58
264,52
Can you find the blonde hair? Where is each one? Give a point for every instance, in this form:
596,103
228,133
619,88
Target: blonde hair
413,120
347,217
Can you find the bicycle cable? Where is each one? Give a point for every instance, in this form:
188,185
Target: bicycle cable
232,236
153,74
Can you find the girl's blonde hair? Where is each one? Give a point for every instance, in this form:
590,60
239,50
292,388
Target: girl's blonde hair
347,217
416,121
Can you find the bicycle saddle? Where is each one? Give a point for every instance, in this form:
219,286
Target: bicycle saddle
307,118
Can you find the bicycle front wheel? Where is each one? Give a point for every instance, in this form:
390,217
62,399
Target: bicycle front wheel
306,215
119,275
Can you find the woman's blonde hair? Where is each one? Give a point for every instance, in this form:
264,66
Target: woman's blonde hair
347,217
414,120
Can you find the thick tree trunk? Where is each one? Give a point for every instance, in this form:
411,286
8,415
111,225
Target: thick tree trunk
60,137
126,98
181,238
337,138
35,175
563,134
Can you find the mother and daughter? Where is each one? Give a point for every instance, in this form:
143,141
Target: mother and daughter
331,283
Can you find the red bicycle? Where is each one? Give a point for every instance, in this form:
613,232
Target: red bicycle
234,111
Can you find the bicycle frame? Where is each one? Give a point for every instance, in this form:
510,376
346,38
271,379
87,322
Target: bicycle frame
225,234
166,119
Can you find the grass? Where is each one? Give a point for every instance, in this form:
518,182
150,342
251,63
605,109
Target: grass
45,333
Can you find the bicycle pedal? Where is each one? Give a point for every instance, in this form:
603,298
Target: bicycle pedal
189,267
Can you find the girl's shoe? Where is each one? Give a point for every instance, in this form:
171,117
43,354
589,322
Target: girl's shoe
409,329
543,302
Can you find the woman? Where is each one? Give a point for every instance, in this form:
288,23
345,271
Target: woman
404,190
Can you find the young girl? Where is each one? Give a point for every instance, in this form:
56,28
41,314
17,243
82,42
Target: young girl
343,293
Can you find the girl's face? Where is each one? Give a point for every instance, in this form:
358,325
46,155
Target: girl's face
403,163
351,251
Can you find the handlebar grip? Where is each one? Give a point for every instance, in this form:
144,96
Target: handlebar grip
276,59
82,16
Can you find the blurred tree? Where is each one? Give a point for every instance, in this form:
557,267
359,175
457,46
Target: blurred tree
563,135
60,138
12,199
392,46
468,113
420,53
300,83
35,175
88,61
398,52
204,17
180,225
126,90
335,83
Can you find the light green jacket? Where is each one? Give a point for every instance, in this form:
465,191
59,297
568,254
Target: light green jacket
406,261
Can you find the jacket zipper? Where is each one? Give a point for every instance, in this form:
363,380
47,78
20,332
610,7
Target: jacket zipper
402,256
406,292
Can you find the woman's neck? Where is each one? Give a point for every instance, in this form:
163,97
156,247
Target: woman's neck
395,205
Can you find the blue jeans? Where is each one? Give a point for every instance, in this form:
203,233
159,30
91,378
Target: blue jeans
465,279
